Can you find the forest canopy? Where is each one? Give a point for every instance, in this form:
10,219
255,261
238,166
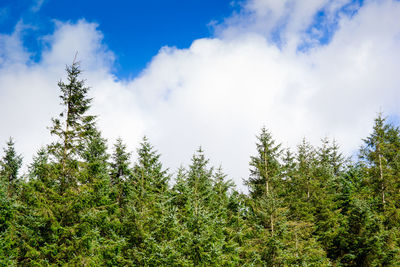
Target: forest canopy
79,205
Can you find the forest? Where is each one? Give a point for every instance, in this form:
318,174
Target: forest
78,205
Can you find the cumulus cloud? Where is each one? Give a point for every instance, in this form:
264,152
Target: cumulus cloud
221,90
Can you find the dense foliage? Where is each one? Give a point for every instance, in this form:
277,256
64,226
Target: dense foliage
79,205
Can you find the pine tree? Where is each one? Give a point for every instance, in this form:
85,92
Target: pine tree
263,202
265,178
7,237
100,223
72,127
306,164
202,240
148,170
265,167
120,170
149,219
10,166
330,156
66,200
40,167
380,156
95,157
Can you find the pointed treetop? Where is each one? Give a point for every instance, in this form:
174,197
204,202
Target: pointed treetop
265,166
149,169
11,162
120,164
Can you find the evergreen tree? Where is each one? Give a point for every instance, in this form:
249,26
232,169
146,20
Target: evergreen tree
72,127
148,170
95,157
306,165
330,156
40,167
149,220
10,166
7,236
380,156
265,178
265,167
202,241
120,170
66,201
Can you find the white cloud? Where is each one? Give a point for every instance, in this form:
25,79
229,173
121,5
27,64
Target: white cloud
219,92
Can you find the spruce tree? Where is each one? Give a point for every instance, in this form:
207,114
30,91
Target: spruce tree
265,178
148,216
62,222
380,156
265,167
72,127
10,166
202,241
149,170
120,170
8,243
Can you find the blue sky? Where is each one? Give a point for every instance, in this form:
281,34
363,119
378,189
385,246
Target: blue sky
133,30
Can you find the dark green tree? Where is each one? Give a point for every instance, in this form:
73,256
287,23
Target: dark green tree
64,206
380,157
265,167
72,127
148,171
204,238
120,164
149,219
8,244
10,166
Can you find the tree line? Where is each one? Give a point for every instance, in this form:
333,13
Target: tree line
80,206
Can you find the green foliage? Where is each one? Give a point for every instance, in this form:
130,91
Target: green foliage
206,216
72,127
380,159
9,167
120,170
7,213
265,167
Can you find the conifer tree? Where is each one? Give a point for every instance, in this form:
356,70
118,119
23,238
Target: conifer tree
7,237
202,240
265,167
306,164
99,214
121,173
63,197
265,179
330,156
40,167
72,126
120,170
380,156
148,216
148,170
10,165
95,156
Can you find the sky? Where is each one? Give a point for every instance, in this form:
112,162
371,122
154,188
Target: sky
203,73
134,30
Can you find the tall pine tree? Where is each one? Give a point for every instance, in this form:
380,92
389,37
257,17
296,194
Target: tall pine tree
72,127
